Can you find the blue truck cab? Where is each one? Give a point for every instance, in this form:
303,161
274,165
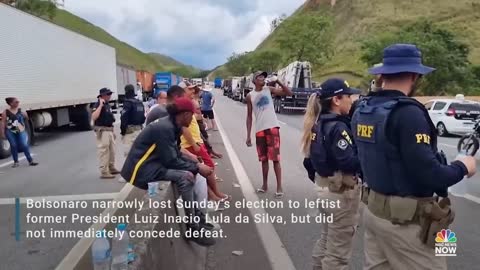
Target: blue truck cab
218,82
165,80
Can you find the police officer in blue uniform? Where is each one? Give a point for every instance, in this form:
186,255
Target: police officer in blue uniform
397,148
132,119
333,156
103,120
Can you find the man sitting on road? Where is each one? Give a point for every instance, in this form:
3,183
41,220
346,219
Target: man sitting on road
155,156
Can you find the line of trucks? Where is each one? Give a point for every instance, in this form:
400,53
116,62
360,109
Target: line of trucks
297,76
65,71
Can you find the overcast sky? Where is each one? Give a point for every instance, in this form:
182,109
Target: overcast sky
202,33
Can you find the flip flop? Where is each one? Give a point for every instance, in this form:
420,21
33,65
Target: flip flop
226,198
279,195
218,179
261,190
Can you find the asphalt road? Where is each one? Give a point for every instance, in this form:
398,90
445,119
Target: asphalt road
299,238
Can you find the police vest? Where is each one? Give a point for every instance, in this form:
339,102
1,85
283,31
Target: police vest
136,115
382,166
320,154
106,118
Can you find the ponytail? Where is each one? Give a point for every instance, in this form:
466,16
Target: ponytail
310,118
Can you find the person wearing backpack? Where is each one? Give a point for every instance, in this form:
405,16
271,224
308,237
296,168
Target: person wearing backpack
12,128
331,153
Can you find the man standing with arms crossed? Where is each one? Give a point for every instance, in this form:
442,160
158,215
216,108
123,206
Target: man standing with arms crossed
267,129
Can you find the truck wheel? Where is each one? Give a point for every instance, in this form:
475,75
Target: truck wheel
4,148
82,117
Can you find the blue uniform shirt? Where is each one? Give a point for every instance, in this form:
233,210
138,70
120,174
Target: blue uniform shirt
332,147
411,133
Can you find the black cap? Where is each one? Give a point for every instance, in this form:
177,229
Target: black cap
130,90
336,87
260,73
104,91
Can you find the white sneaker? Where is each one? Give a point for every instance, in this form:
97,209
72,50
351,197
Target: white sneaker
121,180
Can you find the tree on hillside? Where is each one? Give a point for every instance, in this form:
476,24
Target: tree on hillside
307,38
440,50
239,64
38,8
266,60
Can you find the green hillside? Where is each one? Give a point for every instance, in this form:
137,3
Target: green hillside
171,64
357,19
126,54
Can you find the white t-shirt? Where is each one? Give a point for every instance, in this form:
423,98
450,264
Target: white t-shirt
263,109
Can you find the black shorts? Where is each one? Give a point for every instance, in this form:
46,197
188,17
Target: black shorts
208,114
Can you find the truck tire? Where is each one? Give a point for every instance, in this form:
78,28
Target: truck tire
81,116
4,148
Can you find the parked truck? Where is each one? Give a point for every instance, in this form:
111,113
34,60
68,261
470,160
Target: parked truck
236,87
164,80
227,87
297,76
218,82
125,75
145,81
247,86
54,72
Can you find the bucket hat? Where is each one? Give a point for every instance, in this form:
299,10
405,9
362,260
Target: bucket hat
400,58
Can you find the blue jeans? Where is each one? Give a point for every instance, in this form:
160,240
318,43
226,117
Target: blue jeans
18,141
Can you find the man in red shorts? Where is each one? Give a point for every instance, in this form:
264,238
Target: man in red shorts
267,129
192,141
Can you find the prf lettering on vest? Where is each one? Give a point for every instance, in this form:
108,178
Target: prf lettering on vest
364,131
422,138
345,135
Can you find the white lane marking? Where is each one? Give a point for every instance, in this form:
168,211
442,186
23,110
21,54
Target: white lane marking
277,254
283,123
79,197
467,196
82,246
448,145
11,162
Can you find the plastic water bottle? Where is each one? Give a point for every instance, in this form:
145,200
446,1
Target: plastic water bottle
120,249
101,253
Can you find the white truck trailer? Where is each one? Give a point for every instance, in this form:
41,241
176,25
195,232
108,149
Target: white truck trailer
54,72
125,75
297,76
236,87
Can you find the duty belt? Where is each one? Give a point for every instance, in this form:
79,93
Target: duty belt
100,128
432,215
133,128
339,182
